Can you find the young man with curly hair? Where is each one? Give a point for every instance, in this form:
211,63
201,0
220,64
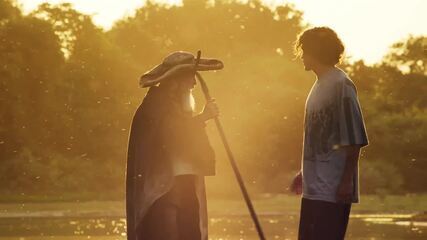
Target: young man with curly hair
334,132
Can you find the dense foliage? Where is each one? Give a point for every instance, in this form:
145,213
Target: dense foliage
68,90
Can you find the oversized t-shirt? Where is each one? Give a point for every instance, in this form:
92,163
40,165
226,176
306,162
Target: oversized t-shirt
333,119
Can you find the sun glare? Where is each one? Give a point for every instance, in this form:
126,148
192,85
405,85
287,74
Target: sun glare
367,32
172,2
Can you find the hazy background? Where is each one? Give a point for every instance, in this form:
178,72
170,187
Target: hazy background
69,88
388,20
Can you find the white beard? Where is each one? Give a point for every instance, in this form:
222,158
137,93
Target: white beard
188,102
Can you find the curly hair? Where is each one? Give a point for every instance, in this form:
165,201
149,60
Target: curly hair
322,43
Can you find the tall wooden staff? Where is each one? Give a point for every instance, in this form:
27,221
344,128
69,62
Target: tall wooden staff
231,157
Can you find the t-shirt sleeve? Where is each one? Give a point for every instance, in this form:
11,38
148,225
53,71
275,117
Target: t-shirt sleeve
351,125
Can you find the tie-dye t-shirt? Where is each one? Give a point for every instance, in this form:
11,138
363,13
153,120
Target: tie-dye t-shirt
332,119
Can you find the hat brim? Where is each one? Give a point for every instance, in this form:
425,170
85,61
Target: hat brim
161,73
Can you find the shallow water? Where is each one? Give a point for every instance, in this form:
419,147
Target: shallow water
377,227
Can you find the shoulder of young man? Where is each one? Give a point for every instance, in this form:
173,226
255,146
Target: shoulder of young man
346,85
349,83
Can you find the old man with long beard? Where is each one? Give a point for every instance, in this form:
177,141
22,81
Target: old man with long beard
169,154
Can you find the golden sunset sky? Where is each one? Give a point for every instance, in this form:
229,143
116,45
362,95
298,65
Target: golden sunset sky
367,27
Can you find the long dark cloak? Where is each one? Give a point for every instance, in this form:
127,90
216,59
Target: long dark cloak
148,170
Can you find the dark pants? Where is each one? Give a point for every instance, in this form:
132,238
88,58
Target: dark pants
175,215
322,220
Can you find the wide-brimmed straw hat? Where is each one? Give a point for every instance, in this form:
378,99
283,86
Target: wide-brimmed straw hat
176,63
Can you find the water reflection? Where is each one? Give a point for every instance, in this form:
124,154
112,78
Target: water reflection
378,227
